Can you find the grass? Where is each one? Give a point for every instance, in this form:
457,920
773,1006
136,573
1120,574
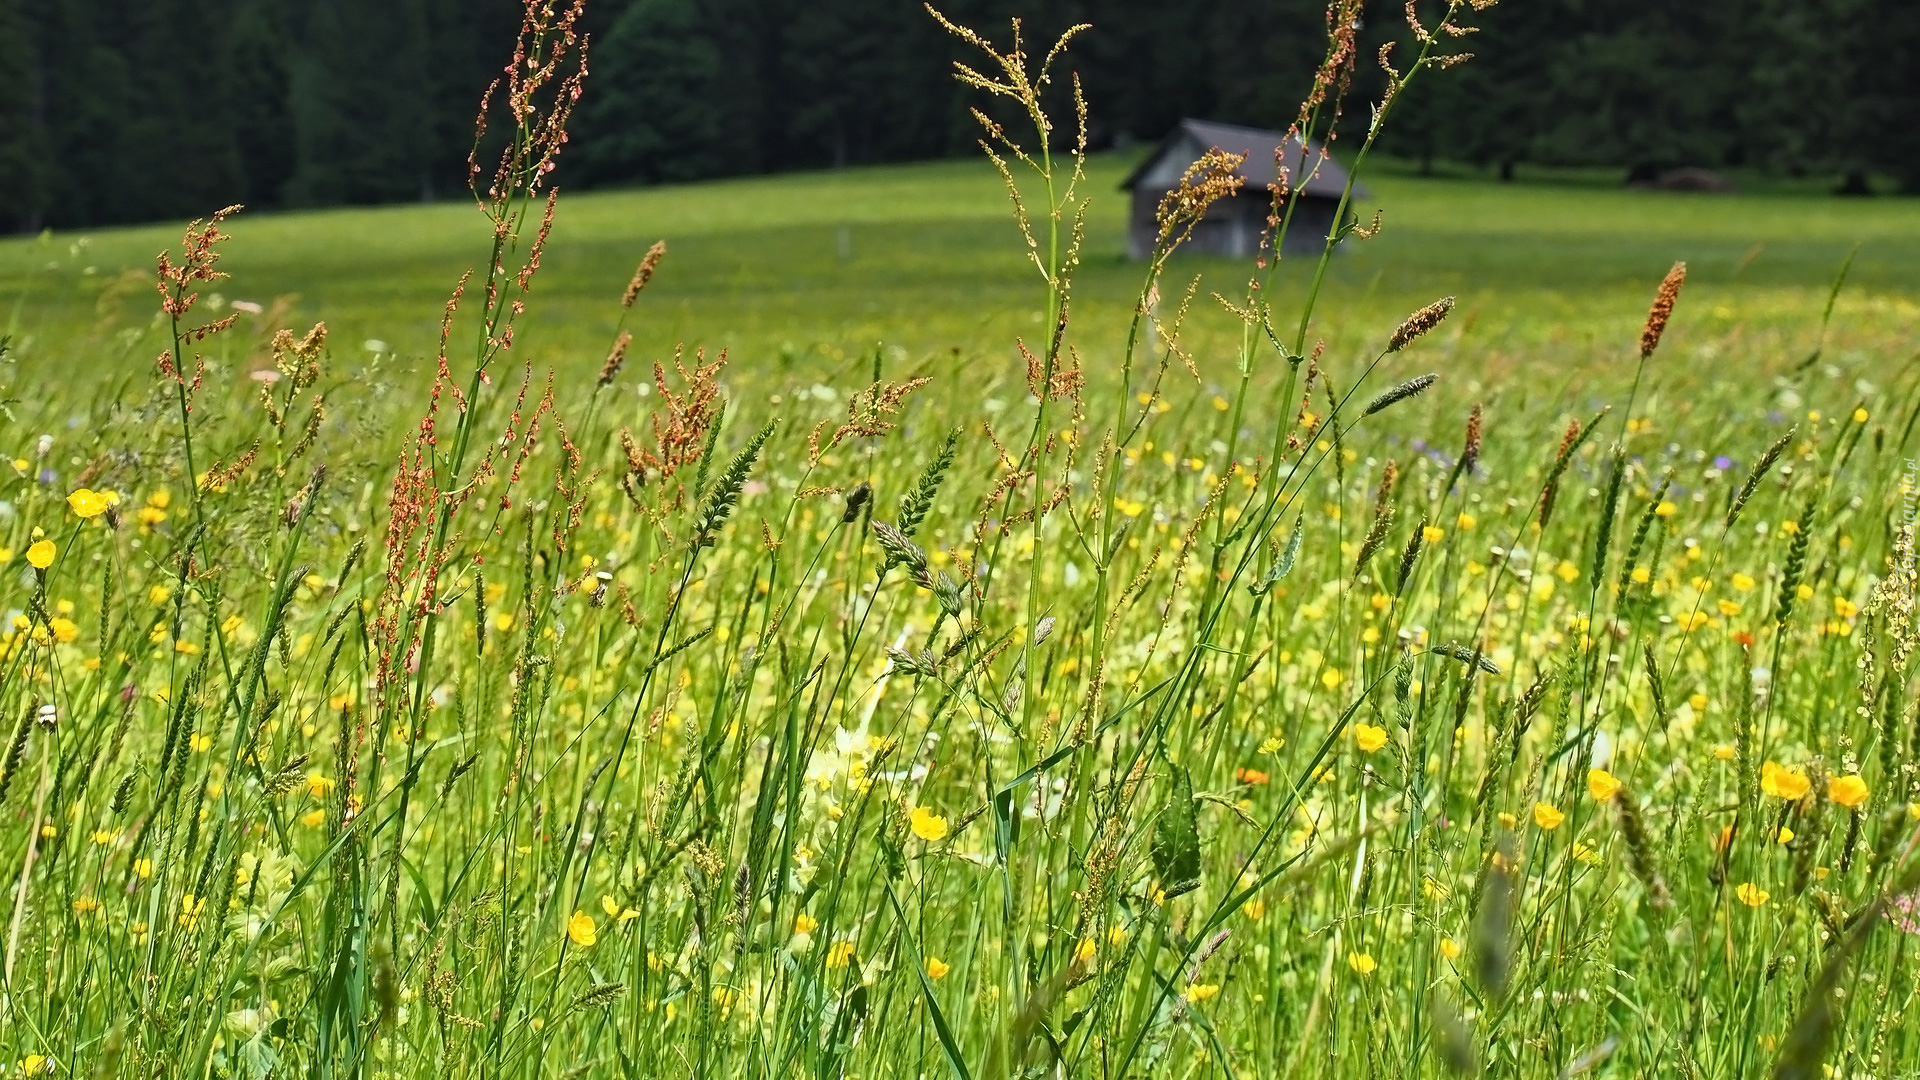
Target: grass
798,717
811,269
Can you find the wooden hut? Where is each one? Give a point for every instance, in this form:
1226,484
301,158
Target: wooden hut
1235,226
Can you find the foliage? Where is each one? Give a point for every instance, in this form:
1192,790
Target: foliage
357,101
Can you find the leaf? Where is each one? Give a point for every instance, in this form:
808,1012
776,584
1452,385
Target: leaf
1176,839
940,1029
1285,565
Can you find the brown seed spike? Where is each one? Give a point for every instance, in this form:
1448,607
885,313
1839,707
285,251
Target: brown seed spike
644,272
1470,453
1419,323
1662,309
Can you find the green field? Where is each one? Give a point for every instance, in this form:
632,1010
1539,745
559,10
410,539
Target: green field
809,269
799,718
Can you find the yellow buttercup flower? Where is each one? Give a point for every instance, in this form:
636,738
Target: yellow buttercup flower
581,930
1602,785
927,825
1783,783
1199,992
937,968
1848,791
41,554
615,912
1449,948
840,955
1361,963
1083,952
804,923
1369,738
1547,816
1752,895
87,503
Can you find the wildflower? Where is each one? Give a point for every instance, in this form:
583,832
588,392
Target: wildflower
143,868
199,743
1845,608
1743,583
1786,835
1330,678
1271,744
1752,895
64,629
1200,992
313,819
103,837
1724,751
840,955
35,1064
1250,776
1566,571
1586,853
1117,935
937,968
1083,952
1466,521
1547,816
926,825
1849,791
1432,534
1783,783
40,555
804,923
1361,963
1449,948
615,912
1602,785
1369,738
86,905
581,930
191,908
87,503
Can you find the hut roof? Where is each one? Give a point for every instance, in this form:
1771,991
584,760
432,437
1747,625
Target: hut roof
1324,177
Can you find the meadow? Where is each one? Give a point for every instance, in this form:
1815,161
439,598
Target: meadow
1492,661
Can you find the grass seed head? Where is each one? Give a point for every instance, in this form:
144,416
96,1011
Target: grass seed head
1419,323
1662,309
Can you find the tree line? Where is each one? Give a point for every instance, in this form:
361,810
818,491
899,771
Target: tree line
129,110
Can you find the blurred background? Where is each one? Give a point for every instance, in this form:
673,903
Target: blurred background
116,111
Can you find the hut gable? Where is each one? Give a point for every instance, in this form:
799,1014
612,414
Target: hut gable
1235,226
